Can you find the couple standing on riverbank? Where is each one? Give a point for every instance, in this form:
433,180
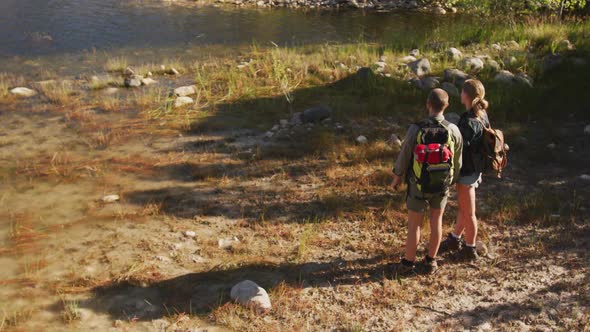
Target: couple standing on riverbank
434,156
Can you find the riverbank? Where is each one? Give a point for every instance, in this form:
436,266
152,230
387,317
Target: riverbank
136,196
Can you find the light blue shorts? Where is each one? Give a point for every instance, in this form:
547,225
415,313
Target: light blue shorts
473,180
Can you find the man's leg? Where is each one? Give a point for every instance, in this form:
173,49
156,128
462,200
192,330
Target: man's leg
414,222
436,216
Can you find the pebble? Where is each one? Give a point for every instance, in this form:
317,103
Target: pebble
587,130
190,234
110,198
227,243
585,177
362,140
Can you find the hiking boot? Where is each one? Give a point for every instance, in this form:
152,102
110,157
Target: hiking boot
450,244
402,268
429,266
467,254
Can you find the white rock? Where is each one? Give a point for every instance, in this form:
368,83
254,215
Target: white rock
473,63
454,54
110,198
585,177
190,234
587,130
551,146
173,71
227,243
23,92
248,293
275,127
184,91
362,140
128,71
496,47
439,11
183,101
381,64
269,134
407,59
415,52
394,140
148,81
284,123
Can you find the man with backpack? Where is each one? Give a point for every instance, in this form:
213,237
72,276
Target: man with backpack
430,162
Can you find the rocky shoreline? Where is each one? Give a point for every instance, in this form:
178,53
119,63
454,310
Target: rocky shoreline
384,5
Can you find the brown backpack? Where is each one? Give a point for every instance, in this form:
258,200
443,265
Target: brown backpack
494,150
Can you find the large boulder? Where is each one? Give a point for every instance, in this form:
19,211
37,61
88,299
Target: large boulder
23,92
504,76
456,77
454,54
420,67
248,293
473,64
429,83
364,73
316,114
450,88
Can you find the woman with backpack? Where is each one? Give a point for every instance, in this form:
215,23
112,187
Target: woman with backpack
472,125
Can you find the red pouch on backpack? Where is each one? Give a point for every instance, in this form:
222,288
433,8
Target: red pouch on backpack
420,153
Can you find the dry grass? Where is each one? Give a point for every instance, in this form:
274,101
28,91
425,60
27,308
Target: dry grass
62,93
116,64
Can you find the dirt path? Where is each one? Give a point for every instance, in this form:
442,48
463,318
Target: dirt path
317,231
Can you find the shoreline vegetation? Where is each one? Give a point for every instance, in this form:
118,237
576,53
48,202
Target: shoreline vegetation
161,185
496,8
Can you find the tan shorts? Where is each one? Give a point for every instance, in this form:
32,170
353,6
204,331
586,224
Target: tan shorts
419,202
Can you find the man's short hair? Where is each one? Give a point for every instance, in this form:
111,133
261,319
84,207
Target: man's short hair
438,99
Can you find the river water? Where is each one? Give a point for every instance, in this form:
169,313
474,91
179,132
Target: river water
59,31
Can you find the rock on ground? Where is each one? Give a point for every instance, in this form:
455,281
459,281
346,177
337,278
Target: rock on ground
184,91
183,101
316,114
394,141
456,77
110,198
587,130
248,293
429,83
473,63
454,54
408,58
450,88
420,67
23,92
415,52
504,76
362,140
148,81
133,81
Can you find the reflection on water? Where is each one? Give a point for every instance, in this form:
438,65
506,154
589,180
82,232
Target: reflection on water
33,28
